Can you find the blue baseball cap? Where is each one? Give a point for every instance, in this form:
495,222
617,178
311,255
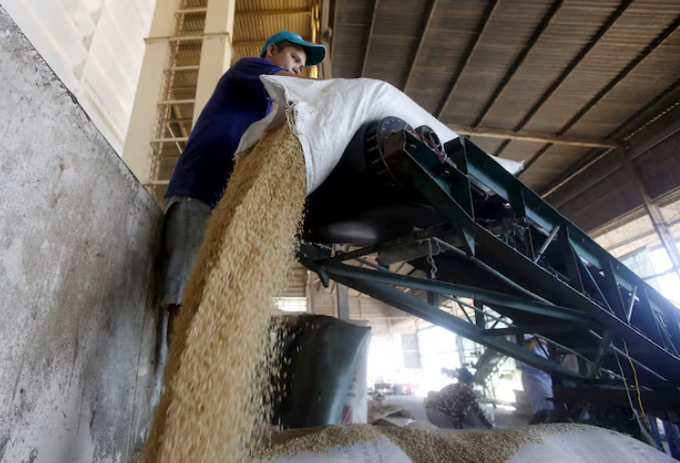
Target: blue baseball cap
315,53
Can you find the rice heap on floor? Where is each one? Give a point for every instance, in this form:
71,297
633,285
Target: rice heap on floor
422,445
217,371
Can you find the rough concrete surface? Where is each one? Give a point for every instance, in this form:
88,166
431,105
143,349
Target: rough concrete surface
78,238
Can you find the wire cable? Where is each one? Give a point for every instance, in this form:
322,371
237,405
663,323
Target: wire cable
637,385
636,415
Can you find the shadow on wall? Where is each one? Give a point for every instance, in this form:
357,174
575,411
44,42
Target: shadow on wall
78,240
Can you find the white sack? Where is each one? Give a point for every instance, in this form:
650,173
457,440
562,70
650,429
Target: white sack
356,401
592,445
325,115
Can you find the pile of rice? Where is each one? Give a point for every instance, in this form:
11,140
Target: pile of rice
422,445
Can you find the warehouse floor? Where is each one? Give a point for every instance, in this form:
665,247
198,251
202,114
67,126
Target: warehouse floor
505,418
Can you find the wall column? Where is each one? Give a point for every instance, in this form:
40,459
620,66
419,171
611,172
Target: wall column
215,51
137,149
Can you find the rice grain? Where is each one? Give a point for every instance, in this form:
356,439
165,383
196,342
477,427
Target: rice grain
215,368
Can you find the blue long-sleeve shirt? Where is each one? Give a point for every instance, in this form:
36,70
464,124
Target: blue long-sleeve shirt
207,161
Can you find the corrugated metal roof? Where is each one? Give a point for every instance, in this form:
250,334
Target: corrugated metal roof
579,68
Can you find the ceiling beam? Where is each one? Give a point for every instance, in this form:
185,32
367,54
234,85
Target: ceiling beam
644,140
572,65
370,37
541,329
653,211
488,132
421,41
542,26
285,12
658,105
664,125
502,147
467,56
257,43
536,157
653,45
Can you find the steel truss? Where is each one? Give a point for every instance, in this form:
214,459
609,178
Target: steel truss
559,284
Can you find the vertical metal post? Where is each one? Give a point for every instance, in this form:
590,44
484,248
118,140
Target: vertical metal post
480,320
342,292
653,211
570,260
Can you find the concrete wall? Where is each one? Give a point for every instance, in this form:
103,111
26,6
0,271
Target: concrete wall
96,48
78,236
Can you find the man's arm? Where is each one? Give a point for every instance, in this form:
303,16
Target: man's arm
470,396
480,414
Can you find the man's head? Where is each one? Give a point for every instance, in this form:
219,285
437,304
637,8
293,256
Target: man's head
288,50
465,376
287,55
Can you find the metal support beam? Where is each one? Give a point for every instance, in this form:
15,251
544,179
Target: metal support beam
644,139
489,132
603,350
491,271
546,243
653,211
617,397
480,316
343,301
631,304
422,309
467,56
535,36
370,37
561,328
421,41
507,260
439,287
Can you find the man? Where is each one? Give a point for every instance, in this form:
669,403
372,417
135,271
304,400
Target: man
537,383
202,172
449,407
